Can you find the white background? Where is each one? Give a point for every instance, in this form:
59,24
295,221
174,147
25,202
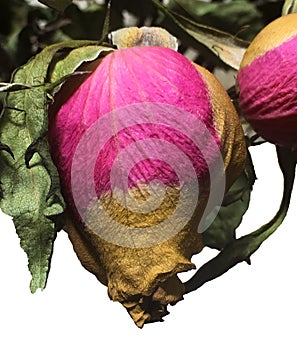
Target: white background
250,307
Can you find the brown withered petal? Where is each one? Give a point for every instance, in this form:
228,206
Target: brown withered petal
144,280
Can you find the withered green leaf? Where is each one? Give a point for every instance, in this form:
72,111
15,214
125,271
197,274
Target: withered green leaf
227,47
30,182
67,65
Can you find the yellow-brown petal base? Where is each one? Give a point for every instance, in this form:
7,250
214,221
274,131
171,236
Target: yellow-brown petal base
145,279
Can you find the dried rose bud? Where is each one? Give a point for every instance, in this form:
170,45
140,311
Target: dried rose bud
267,81
145,146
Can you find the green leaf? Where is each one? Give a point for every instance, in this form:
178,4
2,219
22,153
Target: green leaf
236,202
290,6
59,5
227,47
30,181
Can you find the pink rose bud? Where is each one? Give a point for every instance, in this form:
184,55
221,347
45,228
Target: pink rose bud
145,147
267,81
